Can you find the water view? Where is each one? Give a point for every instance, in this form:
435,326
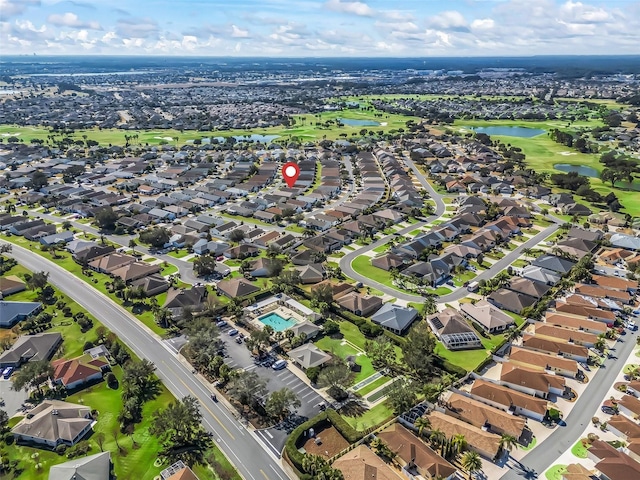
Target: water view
580,169
246,138
352,122
523,132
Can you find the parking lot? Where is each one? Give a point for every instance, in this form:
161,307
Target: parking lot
12,400
274,437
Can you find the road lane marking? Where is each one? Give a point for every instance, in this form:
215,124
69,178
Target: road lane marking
205,407
264,474
276,472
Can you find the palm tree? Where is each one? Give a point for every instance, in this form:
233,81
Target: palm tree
133,245
421,424
458,444
508,442
471,462
308,232
437,438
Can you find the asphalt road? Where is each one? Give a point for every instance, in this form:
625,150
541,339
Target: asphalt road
240,446
587,405
345,262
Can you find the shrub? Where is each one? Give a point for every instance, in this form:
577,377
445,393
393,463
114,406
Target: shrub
330,327
112,381
312,374
87,345
8,438
61,449
370,330
350,434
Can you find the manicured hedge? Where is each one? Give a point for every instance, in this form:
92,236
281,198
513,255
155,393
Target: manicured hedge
350,434
449,367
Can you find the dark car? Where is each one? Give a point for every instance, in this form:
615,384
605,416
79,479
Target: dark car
608,410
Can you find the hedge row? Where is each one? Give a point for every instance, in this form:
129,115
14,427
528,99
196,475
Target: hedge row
350,434
446,365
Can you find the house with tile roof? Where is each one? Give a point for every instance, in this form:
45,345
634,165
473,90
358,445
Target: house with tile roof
578,353
569,335
359,304
415,456
483,442
541,361
308,355
10,285
27,348
508,399
451,328
612,464
236,287
530,381
362,464
484,416
77,371
490,318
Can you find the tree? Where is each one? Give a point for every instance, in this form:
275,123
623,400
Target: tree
458,443
156,237
471,462
381,351
335,377
401,396
309,232
179,429
422,424
4,421
508,442
38,280
280,403
237,235
322,293
418,352
66,225
429,306
204,265
106,218
133,244
38,180
437,439
32,375
246,387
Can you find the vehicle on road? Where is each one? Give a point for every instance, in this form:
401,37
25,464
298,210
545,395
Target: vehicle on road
233,332
279,365
632,325
214,397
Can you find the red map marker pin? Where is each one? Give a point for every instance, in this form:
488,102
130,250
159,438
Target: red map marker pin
290,172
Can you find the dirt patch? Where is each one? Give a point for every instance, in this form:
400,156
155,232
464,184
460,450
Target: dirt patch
331,443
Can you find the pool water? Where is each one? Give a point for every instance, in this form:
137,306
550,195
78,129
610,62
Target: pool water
276,322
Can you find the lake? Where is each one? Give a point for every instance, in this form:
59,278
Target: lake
580,169
352,122
523,132
250,138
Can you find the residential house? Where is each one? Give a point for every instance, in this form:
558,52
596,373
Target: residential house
264,267
10,285
395,317
578,353
135,271
152,285
612,464
554,263
575,322
541,275
629,406
308,355
91,467
483,442
27,348
528,287
236,287
111,262
492,319
530,381
362,464
313,273
484,416
451,328
511,301
388,261
77,371
359,304
54,423
309,329
623,427
541,361
57,238
415,456
14,312
509,400
179,298
560,333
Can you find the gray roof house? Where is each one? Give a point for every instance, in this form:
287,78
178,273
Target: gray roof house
55,238
308,356
37,347
14,312
555,264
540,274
394,317
625,241
92,467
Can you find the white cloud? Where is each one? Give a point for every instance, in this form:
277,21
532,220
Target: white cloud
69,19
482,24
237,32
356,8
577,12
11,8
448,20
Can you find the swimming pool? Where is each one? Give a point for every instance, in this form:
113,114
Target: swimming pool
276,322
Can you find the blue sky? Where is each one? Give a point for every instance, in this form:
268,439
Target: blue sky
322,28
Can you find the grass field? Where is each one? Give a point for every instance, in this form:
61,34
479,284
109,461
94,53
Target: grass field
335,347
555,472
372,417
372,386
579,450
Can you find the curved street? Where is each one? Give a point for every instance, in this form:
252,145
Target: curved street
230,436
503,263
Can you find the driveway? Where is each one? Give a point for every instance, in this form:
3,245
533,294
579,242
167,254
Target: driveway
274,437
12,399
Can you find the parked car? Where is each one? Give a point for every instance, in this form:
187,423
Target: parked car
233,332
221,323
238,340
279,365
632,325
608,410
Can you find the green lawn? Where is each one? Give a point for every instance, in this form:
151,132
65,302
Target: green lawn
178,253
372,417
336,348
413,233
362,265
555,472
295,228
381,248
520,263
579,450
168,270
372,386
